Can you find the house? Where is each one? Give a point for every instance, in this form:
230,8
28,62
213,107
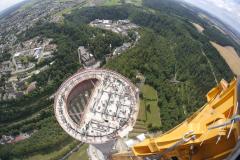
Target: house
31,87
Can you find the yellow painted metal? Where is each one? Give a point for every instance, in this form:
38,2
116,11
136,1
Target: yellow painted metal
193,138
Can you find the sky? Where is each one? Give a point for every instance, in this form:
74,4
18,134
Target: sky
226,10
7,3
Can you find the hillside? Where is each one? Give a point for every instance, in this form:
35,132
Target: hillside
169,55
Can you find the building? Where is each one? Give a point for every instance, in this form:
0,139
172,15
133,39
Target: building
31,87
121,49
6,139
20,85
85,57
6,67
97,106
37,52
119,27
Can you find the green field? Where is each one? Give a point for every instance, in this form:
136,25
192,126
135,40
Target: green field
57,154
80,154
111,2
135,2
149,110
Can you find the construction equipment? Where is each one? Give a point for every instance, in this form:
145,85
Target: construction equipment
211,133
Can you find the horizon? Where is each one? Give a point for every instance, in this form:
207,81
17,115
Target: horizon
227,12
6,4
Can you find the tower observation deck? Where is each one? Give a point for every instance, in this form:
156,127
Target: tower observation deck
97,105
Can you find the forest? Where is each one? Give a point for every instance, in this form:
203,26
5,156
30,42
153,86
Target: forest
169,47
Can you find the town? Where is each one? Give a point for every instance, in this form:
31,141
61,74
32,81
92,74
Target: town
27,17
16,72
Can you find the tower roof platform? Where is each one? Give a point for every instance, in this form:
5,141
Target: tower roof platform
97,105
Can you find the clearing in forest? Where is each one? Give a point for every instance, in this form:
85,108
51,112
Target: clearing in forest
230,56
149,110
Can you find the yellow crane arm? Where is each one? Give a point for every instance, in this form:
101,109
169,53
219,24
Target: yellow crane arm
210,133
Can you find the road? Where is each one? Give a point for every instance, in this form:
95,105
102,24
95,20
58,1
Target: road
211,67
72,151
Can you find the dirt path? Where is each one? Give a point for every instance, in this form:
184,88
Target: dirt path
230,56
211,67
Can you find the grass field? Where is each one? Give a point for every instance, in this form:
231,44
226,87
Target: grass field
111,2
81,154
135,2
149,106
57,154
230,56
149,112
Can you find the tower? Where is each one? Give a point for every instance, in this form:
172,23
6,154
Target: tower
97,106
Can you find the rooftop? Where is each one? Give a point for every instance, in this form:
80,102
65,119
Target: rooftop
97,105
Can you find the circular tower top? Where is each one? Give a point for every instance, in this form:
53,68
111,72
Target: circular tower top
97,105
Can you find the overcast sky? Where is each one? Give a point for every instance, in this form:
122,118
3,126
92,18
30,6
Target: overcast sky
7,3
226,10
